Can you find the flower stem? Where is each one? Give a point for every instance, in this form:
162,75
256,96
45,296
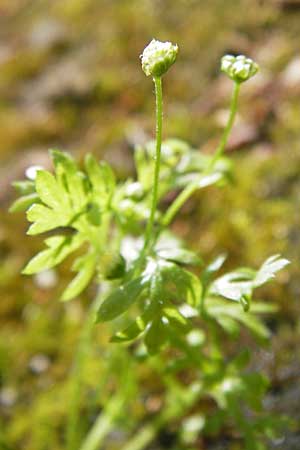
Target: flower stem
178,203
150,225
192,187
233,109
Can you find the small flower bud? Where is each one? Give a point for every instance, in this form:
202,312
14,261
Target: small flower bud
158,57
239,68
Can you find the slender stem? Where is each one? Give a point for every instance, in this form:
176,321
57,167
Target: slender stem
233,109
104,423
76,381
150,225
192,187
178,203
147,433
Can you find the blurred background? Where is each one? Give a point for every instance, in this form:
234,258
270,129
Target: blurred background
70,78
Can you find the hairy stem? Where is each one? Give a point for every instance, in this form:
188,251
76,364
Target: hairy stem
150,225
192,187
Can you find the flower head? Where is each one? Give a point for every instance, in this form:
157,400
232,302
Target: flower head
239,68
158,57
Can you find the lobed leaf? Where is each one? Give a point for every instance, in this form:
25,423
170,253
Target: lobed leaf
50,191
24,187
269,268
101,178
45,219
24,202
85,266
70,179
59,248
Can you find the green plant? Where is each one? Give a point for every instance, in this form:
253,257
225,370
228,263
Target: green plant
159,294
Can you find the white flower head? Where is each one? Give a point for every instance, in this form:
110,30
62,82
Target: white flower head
239,68
158,57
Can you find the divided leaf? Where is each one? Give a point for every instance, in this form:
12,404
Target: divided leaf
239,285
59,247
68,198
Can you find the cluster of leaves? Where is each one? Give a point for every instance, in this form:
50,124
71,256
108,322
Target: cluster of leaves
224,395
164,293
89,210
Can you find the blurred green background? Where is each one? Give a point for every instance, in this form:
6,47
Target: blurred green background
70,78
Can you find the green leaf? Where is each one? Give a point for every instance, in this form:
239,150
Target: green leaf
187,285
93,214
263,308
176,319
216,264
230,325
24,187
234,285
212,268
156,287
238,285
120,300
269,268
179,255
201,181
59,247
255,325
194,289
136,328
63,196
101,178
50,192
24,202
221,311
143,168
70,179
114,265
155,337
85,266
45,219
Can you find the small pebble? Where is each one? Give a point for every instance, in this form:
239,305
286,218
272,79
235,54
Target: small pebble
39,364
